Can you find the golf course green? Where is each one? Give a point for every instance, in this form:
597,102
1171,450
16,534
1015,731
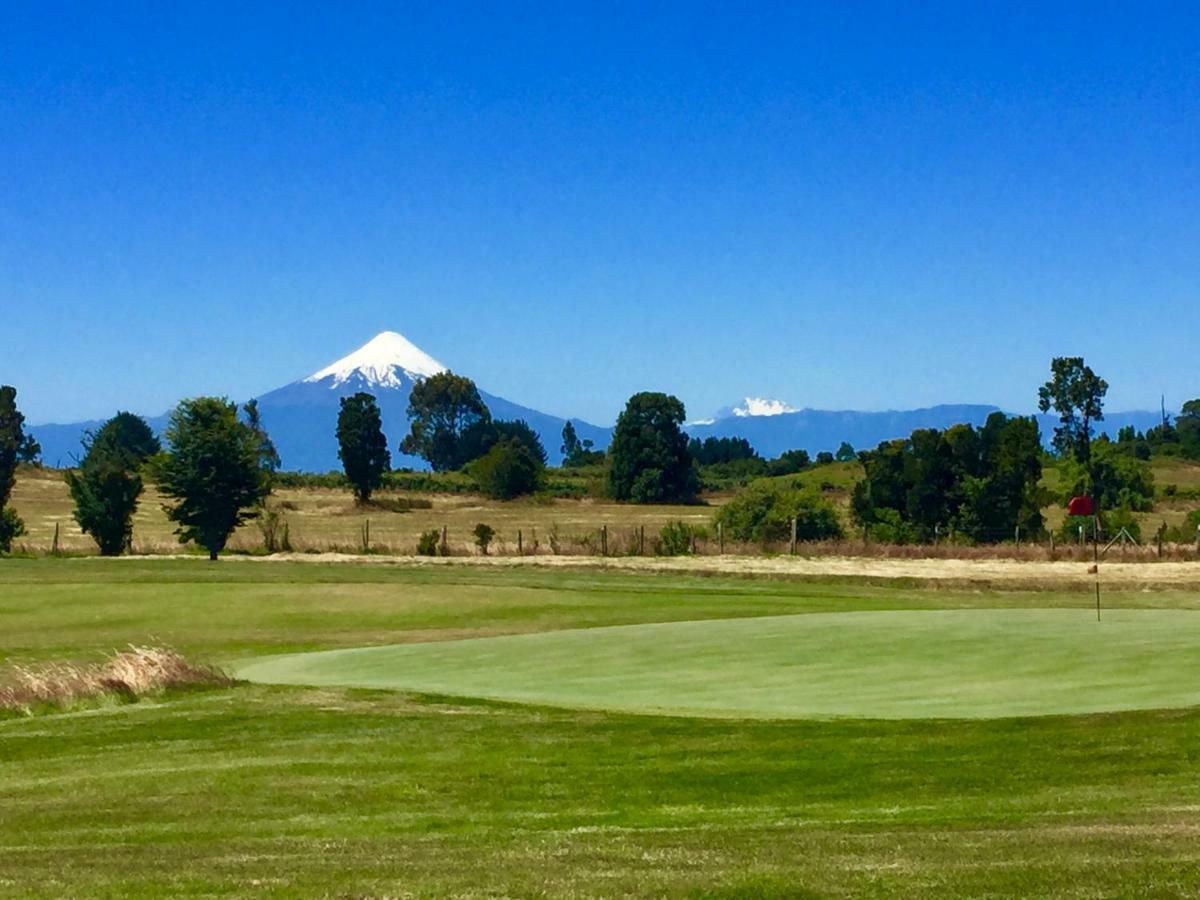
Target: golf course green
969,663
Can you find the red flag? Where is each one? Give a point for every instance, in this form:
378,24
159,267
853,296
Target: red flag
1081,506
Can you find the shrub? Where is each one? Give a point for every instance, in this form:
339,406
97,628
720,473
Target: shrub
674,539
506,471
11,526
427,543
274,528
763,513
483,537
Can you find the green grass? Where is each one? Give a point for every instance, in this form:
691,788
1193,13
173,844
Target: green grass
893,665
295,791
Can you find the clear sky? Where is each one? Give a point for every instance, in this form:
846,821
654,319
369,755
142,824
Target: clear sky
840,205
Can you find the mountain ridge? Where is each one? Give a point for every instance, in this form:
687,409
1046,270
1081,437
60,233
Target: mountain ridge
301,416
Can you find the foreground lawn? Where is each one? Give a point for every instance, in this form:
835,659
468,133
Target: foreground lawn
297,791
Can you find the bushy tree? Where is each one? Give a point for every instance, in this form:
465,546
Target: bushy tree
714,451
443,408
570,440
12,440
268,455
1114,479
845,453
576,452
212,470
520,430
979,484
483,537
1076,393
108,483
509,469
362,447
789,463
763,513
30,451
1188,427
649,459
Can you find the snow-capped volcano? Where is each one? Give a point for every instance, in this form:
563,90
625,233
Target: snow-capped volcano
382,361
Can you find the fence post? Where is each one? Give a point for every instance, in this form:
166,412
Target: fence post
721,538
445,548
642,540
1052,545
1080,535
937,534
693,543
604,540
520,543
1017,535
792,548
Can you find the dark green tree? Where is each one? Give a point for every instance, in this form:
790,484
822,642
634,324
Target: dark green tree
442,409
362,447
108,483
520,430
212,470
268,454
12,439
763,513
1188,427
789,462
570,440
30,451
507,470
845,453
649,459
1076,393
976,484
578,452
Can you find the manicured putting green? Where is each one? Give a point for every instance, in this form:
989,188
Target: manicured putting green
903,664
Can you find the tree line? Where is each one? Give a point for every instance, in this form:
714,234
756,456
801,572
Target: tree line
219,465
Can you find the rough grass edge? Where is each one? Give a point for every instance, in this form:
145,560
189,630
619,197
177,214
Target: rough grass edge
125,676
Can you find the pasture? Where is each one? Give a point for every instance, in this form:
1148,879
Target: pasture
324,519
523,745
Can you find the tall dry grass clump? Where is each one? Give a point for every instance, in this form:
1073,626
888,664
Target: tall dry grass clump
126,675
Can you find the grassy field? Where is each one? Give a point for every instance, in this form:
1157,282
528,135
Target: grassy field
326,519
300,791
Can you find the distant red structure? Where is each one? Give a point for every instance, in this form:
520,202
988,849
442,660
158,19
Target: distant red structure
1081,506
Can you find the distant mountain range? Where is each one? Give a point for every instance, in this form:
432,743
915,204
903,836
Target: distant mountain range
301,416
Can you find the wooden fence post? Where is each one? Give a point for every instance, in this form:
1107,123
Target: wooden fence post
520,545
642,541
721,538
604,540
445,547
54,549
792,548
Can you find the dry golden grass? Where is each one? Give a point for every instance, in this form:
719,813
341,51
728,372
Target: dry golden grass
128,674
326,519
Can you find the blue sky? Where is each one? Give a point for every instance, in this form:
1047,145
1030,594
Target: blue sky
843,206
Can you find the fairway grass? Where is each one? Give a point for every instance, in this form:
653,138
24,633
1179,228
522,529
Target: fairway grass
887,665
295,791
